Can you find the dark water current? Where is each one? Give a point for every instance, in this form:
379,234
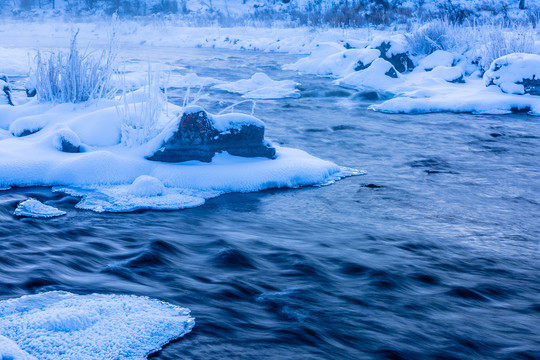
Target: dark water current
434,254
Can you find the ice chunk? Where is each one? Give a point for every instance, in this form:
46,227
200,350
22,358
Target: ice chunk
36,209
260,86
61,325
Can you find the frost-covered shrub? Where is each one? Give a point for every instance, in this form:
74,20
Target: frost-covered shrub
141,110
430,37
74,76
494,42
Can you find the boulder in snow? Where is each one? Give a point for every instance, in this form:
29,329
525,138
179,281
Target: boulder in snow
200,135
378,77
516,73
395,51
67,141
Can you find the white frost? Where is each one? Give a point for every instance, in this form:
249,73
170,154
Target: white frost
36,209
61,325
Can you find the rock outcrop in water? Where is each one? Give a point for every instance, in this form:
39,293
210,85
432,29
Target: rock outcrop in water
199,136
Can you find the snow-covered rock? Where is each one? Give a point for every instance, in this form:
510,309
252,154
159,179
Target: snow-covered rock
260,86
395,50
36,209
516,73
338,64
437,58
65,140
379,77
200,135
61,325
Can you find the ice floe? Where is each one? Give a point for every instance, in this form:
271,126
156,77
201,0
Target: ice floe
260,86
61,325
36,209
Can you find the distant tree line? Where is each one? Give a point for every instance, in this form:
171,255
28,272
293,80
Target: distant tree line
128,7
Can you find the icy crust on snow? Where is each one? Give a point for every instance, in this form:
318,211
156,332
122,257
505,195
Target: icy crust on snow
36,209
61,325
261,86
110,176
508,72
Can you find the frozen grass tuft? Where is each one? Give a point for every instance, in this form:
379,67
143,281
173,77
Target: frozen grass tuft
75,76
142,109
485,42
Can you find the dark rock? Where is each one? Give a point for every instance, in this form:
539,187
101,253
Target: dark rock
391,73
197,138
532,86
401,61
27,132
361,66
7,89
68,147
372,186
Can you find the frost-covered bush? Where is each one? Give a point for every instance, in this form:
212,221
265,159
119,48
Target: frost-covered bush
430,37
74,76
494,42
142,109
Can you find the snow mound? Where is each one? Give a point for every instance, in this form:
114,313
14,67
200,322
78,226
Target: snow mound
379,77
36,209
517,73
437,58
260,86
471,97
61,325
395,44
337,64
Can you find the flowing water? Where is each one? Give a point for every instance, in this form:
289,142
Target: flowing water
434,254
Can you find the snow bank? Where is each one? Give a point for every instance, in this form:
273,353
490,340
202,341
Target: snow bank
113,177
516,73
337,64
472,97
36,209
260,86
61,325
437,58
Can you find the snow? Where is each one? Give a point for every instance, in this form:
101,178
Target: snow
398,44
437,58
338,64
55,325
36,209
472,97
261,86
373,78
111,176
507,72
